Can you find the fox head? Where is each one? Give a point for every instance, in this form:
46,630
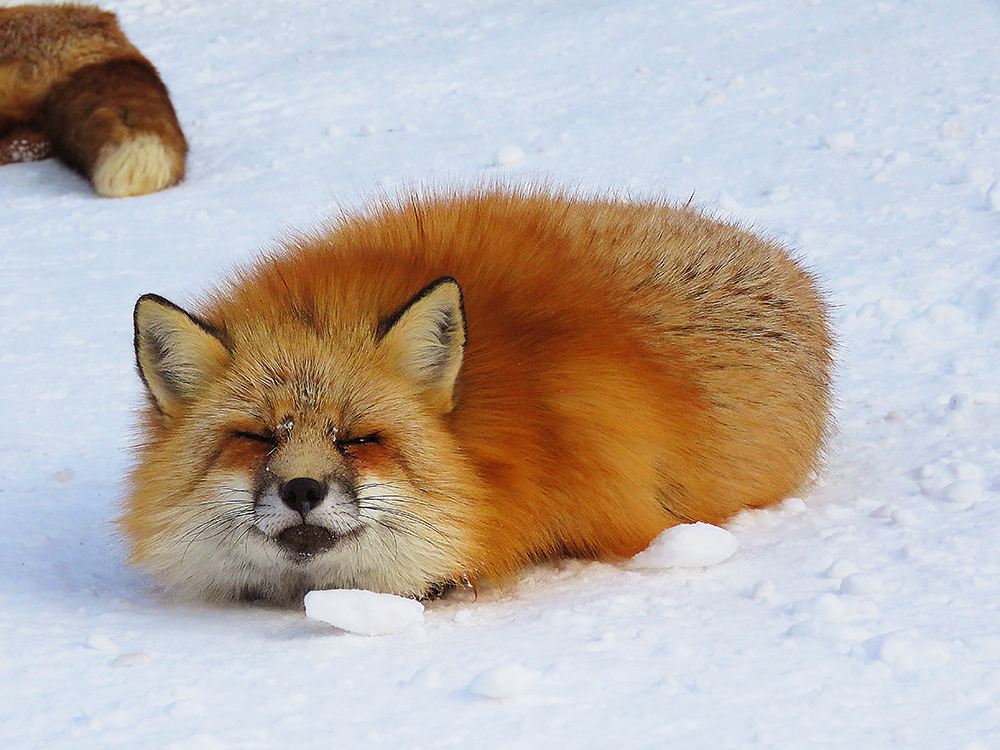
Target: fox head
285,456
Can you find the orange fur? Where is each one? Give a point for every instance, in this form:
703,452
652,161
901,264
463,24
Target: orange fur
627,367
72,84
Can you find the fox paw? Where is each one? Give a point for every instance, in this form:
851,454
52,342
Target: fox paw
24,144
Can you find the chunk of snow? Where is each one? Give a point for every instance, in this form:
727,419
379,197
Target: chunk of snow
504,681
839,141
860,584
764,591
690,545
964,492
136,659
906,650
793,505
972,173
967,471
364,612
508,156
100,642
427,677
841,569
903,517
993,196
830,608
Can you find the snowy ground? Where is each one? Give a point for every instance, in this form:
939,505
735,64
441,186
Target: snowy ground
865,615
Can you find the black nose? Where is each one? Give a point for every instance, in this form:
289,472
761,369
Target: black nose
302,494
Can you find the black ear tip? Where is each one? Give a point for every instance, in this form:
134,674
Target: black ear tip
150,300
439,282
139,318
447,280
142,301
444,280
156,299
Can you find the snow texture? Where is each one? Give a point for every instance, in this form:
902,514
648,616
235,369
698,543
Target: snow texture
863,614
364,612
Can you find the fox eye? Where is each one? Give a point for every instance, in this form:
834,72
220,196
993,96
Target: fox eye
257,437
345,444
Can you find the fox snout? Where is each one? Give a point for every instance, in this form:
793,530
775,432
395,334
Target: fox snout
305,515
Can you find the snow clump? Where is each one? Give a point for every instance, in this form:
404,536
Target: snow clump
839,141
689,545
363,612
504,681
508,156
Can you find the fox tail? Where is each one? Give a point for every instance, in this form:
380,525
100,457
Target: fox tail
113,122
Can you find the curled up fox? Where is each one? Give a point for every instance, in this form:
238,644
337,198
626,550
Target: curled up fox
446,388
72,85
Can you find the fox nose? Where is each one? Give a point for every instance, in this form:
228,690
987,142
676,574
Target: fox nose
302,494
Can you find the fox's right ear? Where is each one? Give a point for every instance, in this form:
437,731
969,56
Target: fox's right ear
177,354
426,339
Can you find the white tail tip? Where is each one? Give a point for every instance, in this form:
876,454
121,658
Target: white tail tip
138,166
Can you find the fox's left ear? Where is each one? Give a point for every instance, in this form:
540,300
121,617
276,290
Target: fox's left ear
426,339
177,354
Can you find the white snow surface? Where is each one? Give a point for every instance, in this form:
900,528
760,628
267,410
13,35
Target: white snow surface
865,614
363,612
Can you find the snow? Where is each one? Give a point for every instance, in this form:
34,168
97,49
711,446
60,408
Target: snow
865,613
363,612
504,681
508,156
993,196
860,584
689,545
839,141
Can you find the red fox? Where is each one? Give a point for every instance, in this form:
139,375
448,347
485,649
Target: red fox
447,388
72,84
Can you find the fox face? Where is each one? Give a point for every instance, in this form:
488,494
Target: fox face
316,462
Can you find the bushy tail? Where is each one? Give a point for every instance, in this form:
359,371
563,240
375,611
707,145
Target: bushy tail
113,122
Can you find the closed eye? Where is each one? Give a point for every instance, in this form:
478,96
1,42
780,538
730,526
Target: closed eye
363,440
344,445
256,437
